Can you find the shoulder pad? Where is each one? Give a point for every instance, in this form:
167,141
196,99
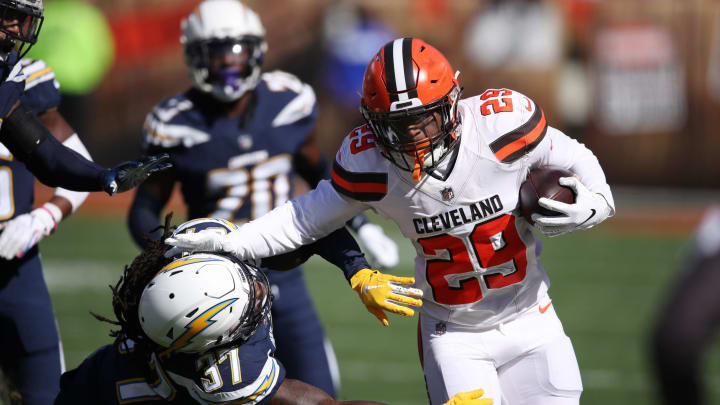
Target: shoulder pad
166,127
511,123
303,100
359,170
42,91
36,71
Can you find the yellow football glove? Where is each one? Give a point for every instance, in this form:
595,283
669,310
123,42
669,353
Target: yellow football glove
469,398
380,292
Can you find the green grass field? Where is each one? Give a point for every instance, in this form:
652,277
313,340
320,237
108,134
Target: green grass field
606,286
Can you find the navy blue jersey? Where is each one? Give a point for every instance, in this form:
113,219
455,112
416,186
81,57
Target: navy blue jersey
16,182
234,168
246,373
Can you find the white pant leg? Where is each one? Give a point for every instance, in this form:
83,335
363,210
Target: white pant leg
528,360
547,375
456,361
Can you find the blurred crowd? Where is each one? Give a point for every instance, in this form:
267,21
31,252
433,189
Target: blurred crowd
637,81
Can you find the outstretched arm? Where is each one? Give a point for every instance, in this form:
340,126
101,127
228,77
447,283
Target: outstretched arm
22,233
298,222
338,248
379,292
58,166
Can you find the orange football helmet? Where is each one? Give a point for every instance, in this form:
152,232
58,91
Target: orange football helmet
407,83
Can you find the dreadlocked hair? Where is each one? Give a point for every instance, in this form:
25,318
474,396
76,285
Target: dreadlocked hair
126,294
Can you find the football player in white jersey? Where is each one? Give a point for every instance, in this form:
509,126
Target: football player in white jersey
448,172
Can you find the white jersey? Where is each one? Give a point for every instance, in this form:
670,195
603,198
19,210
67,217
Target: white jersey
477,258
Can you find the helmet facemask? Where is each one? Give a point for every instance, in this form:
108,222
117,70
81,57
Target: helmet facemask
226,67
257,308
417,139
20,22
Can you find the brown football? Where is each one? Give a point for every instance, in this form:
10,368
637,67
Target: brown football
543,182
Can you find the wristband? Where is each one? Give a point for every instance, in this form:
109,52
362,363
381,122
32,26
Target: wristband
54,212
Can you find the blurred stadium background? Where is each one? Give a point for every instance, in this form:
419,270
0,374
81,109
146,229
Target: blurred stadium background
637,81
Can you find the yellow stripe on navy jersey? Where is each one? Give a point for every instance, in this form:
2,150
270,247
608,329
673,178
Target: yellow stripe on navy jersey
42,91
264,388
37,72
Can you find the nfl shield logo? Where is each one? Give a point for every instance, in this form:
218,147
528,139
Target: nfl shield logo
447,194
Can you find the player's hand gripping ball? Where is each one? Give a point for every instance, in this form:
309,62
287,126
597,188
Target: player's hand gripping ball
543,182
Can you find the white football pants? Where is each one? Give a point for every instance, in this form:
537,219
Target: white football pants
528,360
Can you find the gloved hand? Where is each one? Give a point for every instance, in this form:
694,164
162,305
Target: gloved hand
23,232
203,241
589,210
383,250
10,90
380,292
128,175
469,398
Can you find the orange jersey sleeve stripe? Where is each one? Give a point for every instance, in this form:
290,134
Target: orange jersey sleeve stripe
522,140
359,186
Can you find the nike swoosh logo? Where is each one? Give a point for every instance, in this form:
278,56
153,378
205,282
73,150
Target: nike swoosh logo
545,308
592,214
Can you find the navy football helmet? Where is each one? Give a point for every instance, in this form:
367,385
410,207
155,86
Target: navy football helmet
20,22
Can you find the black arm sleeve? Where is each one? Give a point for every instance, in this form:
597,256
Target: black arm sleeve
340,249
50,161
143,217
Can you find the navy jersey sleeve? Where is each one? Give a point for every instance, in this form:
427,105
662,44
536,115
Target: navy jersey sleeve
42,91
340,249
50,161
173,123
